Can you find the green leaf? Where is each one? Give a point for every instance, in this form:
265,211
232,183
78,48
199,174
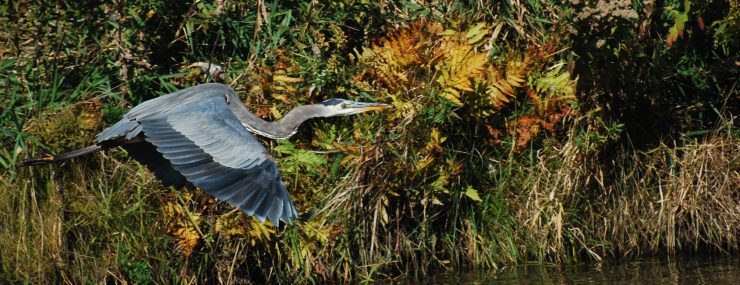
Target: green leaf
472,194
7,62
680,19
476,33
447,32
298,159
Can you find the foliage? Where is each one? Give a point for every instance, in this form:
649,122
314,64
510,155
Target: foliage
458,63
522,130
183,224
298,160
679,18
667,48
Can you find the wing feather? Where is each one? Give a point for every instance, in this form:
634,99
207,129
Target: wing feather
192,137
236,184
207,145
147,155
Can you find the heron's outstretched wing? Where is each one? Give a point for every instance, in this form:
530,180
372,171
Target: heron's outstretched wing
147,154
206,143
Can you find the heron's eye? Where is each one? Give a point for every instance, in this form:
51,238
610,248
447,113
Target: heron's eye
343,105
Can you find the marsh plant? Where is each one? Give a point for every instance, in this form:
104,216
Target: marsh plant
522,131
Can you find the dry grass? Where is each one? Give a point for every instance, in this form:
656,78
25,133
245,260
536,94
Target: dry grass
31,243
561,205
669,199
678,198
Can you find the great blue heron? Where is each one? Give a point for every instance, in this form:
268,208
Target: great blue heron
200,136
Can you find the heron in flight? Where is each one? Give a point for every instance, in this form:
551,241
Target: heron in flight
200,136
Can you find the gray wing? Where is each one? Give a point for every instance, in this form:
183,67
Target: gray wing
129,127
147,154
205,142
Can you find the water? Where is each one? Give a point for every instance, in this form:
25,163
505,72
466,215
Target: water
693,271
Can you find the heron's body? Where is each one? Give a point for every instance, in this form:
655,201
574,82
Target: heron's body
200,136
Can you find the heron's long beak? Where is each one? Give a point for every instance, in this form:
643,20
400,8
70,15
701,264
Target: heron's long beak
364,107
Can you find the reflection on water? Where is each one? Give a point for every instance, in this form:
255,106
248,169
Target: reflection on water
694,271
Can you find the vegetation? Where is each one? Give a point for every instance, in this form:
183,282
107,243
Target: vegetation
522,130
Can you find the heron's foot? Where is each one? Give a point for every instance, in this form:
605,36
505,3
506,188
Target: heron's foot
308,215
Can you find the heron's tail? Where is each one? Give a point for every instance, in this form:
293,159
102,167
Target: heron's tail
61,157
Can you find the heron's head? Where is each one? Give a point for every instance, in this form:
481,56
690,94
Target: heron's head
342,107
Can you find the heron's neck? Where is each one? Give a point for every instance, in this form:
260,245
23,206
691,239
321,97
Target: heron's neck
283,128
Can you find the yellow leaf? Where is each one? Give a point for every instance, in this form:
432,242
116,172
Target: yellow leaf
436,201
275,113
472,194
383,215
462,84
259,231
504,87
496,95
286,79
421,164
283,98
447,32
183,225
513,80
348,159
451,95
401,76
150,14
461,66
435,138
286,88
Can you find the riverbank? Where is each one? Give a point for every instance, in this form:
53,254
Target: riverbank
677,269
521,132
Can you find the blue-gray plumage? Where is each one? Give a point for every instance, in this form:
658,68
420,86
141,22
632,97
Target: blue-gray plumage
200,136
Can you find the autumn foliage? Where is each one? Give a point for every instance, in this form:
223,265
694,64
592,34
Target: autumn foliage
551,131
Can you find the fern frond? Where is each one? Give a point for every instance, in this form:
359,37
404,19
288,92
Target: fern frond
552,89
460,66
183,225
500,87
